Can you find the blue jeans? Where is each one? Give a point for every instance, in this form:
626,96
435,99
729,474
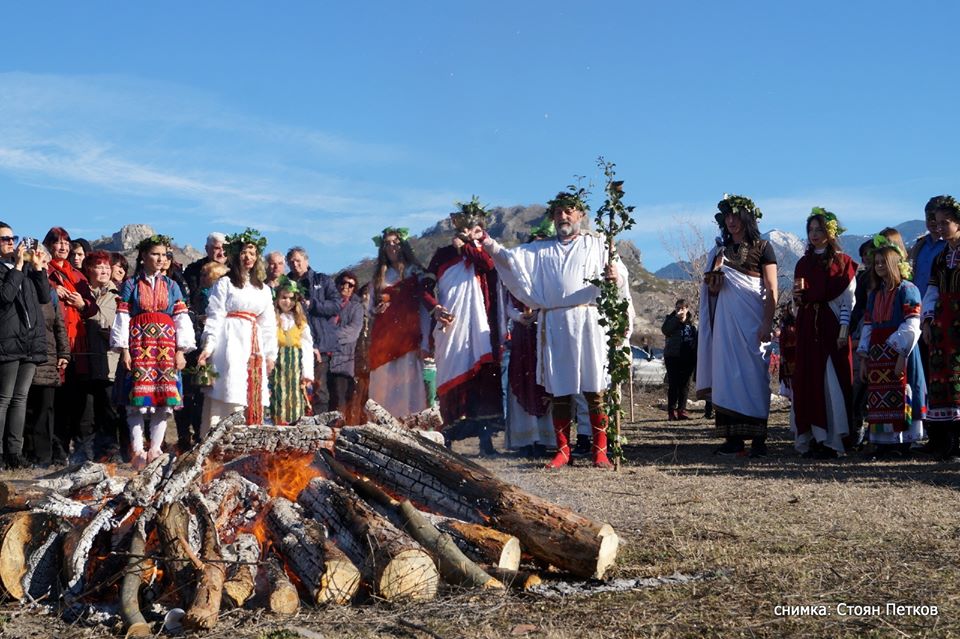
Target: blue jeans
15,380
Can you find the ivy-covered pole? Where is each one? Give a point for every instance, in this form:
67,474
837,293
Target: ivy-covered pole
613,218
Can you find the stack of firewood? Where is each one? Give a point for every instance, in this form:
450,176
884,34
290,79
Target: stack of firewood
281,516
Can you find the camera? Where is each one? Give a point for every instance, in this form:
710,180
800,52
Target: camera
30,243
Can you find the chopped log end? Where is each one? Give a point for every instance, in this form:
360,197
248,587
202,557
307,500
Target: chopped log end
510,555
410,576
284,599
340,582
607,555
21,534
139,630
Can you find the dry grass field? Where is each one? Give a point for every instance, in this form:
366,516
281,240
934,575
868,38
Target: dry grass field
839,537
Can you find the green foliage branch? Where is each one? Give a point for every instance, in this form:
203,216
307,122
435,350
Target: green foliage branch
611,219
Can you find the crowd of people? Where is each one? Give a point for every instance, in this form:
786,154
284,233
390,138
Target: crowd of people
95,360
869,352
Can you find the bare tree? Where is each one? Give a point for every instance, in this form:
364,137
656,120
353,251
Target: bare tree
684,242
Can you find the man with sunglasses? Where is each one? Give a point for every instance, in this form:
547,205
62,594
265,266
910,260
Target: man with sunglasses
349,323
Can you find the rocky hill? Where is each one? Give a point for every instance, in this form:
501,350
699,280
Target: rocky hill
653,297
126,239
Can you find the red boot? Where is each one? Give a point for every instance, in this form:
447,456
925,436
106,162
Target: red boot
561,428
671,415
598,423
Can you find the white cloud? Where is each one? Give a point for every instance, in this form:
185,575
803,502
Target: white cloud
183,150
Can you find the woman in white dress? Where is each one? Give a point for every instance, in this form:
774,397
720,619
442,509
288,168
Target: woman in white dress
240,335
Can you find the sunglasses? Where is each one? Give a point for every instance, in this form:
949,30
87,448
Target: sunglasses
10,238
350,284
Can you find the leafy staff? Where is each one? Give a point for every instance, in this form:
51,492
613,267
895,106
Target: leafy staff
611,219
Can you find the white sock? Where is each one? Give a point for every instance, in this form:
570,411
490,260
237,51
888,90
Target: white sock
135,422
158,428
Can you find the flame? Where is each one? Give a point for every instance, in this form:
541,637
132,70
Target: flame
285,475
211,470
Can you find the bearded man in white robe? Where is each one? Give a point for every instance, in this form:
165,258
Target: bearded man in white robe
551,277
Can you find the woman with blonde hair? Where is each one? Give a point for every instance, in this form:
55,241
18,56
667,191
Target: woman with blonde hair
891,368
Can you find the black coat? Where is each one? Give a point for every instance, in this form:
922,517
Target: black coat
22,334
58,346
681,337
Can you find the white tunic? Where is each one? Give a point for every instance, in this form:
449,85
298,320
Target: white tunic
550,277
228,339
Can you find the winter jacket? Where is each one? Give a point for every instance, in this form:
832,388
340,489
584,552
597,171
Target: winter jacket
58,346
681,337
103,359
22,335
349,324
323,306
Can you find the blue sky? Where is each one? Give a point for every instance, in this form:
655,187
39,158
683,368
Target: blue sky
320,122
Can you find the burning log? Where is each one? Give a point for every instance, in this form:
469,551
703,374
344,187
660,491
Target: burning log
22,535
133,619
379,415
481,543
453,485
243,440
173,529
25,493
395,565
323,569
236,502
453,565
282,597
205,610
242,576
427,420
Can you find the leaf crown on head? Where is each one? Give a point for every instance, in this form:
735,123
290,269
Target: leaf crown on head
881,241
543,230
573,198
470,214
739,205
156,239
234,243
402,232
284,283
831,222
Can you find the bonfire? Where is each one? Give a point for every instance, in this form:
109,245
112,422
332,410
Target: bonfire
278,517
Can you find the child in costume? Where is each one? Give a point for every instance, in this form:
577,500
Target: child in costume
294,369
153,332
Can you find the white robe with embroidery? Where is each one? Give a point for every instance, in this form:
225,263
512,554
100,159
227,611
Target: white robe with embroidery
228,339
550,277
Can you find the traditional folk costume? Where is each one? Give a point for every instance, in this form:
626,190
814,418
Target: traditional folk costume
288,400
891,328
396,339
467,352
528,414
823,375
940,305
550,276
153,323
732,365
240,337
